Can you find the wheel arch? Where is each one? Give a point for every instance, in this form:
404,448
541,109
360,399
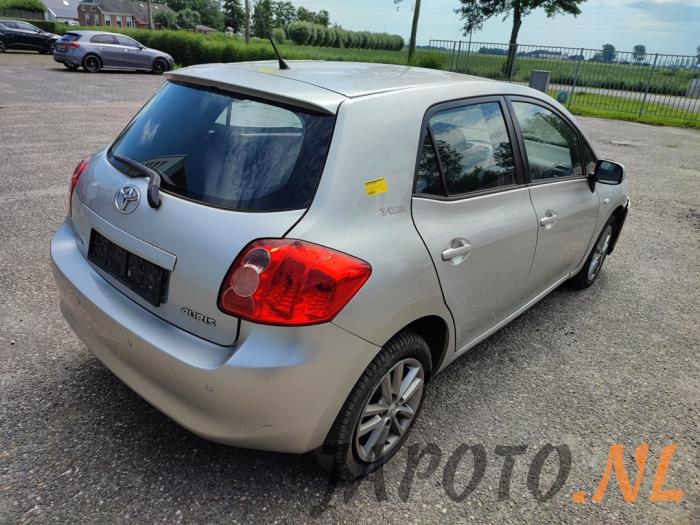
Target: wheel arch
434,330
91,54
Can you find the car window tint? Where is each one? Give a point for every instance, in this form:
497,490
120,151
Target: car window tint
70,37
551,145
103,39
26,26
474,148
10,25
227,150
126,41
428,180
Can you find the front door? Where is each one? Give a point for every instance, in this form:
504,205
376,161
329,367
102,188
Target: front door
475,215
566,207
133,56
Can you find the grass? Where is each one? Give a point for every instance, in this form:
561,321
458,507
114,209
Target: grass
622,108
665,80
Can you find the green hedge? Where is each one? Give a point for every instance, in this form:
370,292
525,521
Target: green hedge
308,34
23,5
49,26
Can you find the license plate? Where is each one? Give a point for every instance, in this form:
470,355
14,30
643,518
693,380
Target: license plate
60,47
148,280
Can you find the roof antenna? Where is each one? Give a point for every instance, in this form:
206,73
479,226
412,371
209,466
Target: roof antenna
283,64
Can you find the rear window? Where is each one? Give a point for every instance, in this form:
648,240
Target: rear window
70,37
228,151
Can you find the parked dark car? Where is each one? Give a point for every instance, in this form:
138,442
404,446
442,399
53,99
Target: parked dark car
94,50
15,34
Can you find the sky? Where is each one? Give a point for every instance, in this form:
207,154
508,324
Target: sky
663,26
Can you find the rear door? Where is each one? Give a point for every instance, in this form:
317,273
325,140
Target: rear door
107,48
566,207
474,213
233,170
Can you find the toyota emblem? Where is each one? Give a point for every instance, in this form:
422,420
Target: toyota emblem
127,199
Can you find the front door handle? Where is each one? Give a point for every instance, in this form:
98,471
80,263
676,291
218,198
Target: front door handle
550,217
458,251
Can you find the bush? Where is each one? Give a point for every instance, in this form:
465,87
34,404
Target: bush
22,5
278,35
308,34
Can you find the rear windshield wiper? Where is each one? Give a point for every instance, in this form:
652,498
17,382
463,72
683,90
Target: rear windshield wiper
153,195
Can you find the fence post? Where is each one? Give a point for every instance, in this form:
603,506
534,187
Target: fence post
573,85
458,58
646,90
452,57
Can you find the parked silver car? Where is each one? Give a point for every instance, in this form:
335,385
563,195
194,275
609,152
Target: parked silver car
95,50
282,259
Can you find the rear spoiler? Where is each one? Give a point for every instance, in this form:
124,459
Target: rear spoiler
263,83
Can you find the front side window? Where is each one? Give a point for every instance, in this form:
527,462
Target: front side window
126,41
27,27
473,147
228,150
551,145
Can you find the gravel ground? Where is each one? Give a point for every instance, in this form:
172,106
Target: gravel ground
617,363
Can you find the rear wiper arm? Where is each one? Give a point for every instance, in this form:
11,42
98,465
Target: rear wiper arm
153,195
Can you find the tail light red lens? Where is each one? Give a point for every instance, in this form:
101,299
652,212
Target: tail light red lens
290,282
73,44
77,172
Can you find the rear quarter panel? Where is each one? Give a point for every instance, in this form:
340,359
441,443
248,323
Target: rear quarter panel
376,137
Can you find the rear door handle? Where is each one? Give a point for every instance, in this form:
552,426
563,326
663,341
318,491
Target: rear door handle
550,217
457,252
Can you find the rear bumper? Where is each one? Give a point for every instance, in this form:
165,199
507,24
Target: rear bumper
63,57
277,388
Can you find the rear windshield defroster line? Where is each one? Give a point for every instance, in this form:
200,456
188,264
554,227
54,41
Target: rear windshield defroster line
228,151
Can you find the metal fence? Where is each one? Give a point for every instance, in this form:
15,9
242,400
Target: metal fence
587,79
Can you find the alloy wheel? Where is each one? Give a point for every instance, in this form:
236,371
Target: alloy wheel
158,67
390,410
2,46
600,253
92,64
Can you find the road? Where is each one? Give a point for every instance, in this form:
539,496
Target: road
617,363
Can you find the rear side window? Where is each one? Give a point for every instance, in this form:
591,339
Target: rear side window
473,147
228,151
103,39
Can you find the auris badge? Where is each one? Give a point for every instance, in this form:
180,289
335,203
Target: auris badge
127,199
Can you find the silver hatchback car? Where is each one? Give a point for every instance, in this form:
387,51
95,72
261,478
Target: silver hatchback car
95,50
283,259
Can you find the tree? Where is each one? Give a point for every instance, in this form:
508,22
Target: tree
165,19
234,15
639,53
476,12
284,13
609,53
188,19
262,18
414,28
150,16
323,18
305,15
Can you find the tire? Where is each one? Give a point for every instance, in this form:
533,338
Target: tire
72,67
348,454
92,64
49,50
591,270
3,47
159,66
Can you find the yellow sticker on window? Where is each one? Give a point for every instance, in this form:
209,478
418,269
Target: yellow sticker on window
375,187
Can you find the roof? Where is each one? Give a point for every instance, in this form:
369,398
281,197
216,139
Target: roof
205,29
356,79
317,85
63,8
137,9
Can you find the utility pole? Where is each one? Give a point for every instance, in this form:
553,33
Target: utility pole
150,16
247,21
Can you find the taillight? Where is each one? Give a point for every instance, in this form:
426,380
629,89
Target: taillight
290,282
73,44
77,172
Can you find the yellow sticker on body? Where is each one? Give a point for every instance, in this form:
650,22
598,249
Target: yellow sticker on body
375,187
265,70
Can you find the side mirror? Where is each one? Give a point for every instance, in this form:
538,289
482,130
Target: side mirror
609,172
